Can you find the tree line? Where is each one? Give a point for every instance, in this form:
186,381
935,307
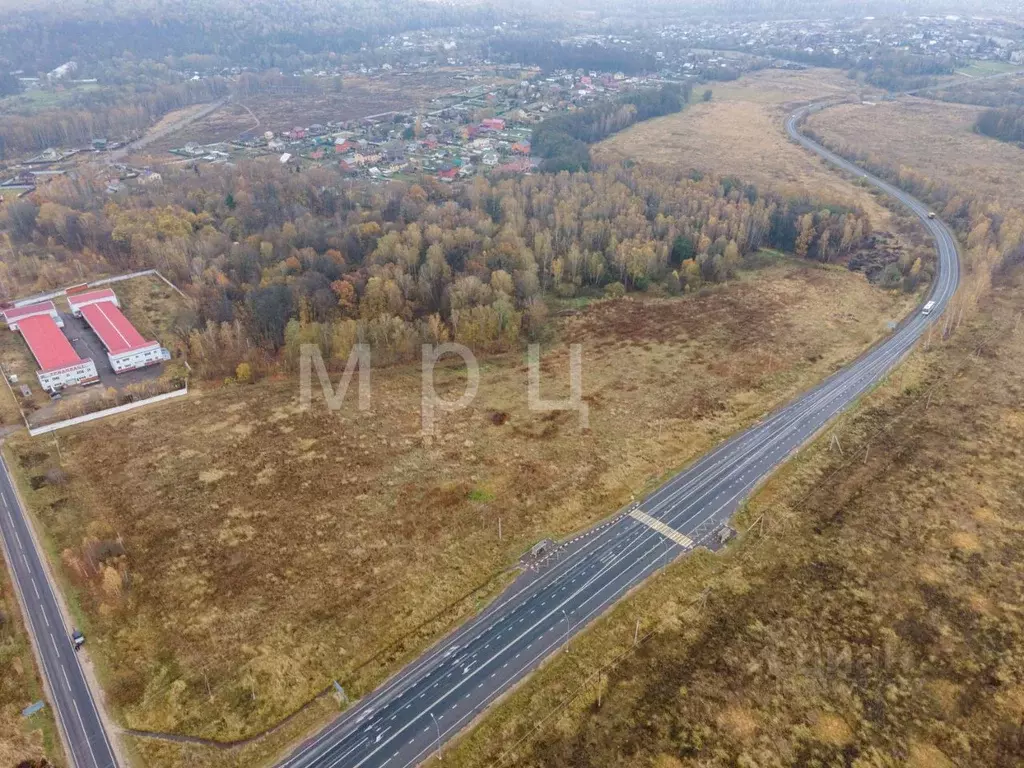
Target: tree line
115,113
562,141
261,34
1003,124
273,259
550,55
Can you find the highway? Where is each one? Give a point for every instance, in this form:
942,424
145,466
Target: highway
409,718
412,715
77,716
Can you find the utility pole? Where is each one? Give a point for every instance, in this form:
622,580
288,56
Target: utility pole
636,633
499,529
438,726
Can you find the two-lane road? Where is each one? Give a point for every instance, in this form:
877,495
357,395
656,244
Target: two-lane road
77,716
411,716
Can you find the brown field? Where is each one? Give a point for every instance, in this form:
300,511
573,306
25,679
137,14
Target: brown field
933,137
20,686
740,132
868,616
234,554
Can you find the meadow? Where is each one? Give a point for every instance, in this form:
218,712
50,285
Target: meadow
232,554
868,614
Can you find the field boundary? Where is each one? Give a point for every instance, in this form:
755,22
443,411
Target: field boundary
102,281
35,431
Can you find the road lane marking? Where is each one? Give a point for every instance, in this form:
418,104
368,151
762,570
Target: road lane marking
811,412
669,533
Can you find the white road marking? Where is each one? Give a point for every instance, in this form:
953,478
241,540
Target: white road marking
670,533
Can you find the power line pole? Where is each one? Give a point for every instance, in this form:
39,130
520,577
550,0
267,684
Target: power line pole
438,726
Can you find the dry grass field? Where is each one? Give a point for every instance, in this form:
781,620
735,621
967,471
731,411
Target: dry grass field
233,554
870,615
933,137
22,742
740,132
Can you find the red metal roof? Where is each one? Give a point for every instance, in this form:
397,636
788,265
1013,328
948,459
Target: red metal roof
29,309
117,334
48,344
78,299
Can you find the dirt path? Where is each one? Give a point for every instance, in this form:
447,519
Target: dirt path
162,131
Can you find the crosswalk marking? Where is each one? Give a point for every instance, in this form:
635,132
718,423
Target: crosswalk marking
660,527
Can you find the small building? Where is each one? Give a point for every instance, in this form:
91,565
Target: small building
14,315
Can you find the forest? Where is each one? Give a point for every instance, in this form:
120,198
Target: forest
263,34
562,141
274,258
551,55
1003,124
114,112
886,68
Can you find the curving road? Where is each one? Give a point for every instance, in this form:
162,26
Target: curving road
410,717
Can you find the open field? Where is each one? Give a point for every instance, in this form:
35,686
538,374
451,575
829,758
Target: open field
37,99
933,138
740,132
984,68
234,555
984,91
868,616
22,742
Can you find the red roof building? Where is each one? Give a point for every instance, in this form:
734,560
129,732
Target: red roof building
15,315
126,348
59,364
117,334
49,346
83,298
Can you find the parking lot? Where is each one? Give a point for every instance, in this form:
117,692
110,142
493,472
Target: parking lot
88,344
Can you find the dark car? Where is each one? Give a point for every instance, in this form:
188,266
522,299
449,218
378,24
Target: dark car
77,639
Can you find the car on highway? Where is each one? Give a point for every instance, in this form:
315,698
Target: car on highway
927,308
77,639
931,214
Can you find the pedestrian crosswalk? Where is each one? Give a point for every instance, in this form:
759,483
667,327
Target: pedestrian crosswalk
656,525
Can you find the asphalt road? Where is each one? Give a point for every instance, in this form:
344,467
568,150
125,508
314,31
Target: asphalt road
67,692
408,719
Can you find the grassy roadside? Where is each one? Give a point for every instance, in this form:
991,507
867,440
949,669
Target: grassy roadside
869,614
23,742
160,525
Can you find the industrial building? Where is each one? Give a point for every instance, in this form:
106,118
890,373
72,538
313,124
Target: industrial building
126,347
59,364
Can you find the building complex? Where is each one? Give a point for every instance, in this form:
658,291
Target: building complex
40,325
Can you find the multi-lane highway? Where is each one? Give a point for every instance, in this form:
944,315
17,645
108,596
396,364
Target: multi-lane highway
77,716
409,718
